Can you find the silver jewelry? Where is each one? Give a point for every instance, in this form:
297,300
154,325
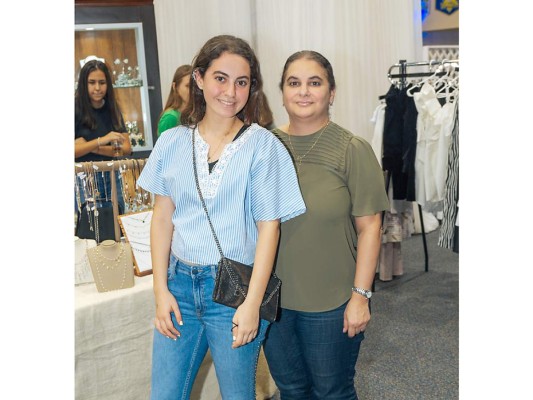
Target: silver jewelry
143,220
105,184
362,292
140,250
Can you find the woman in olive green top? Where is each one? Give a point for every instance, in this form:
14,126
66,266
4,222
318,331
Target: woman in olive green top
327,256
177,99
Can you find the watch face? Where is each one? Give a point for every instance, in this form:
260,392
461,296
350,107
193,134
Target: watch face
363,292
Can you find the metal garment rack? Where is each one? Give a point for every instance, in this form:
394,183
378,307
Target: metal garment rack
400,80
403,65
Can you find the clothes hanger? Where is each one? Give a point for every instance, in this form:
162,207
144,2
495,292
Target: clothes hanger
436,74
451,83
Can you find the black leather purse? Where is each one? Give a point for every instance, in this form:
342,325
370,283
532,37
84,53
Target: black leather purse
233,278
231,287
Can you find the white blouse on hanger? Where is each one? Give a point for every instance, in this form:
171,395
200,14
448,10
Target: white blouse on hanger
434,127
378,119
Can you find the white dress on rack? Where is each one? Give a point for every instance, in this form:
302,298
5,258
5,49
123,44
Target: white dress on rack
434,126
378,119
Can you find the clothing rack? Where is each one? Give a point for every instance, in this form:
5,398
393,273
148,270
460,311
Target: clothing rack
111,166
436,68
419,69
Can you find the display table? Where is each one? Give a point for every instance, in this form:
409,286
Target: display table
114,332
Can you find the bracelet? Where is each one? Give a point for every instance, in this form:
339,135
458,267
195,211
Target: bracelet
98,140
362,292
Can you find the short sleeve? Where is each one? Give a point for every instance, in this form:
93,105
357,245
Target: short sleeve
151,178
275,192
81,131
365,178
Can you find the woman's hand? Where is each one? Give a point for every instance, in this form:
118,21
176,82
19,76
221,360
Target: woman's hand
165,303
107,139
357,312
356,315
245,324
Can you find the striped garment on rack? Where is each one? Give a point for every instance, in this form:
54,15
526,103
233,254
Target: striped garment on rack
451,193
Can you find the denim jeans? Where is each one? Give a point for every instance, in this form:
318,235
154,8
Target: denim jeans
206,324
310,358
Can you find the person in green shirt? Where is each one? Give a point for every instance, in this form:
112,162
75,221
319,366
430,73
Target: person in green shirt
327,257
177,99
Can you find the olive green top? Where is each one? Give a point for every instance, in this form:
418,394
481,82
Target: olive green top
340,178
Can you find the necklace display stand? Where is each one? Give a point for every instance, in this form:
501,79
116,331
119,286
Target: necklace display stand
82,268
134,197
112,265
136,228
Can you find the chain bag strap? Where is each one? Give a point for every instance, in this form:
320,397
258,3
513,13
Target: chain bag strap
236,270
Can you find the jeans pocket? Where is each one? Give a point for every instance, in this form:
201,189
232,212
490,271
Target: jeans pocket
171,271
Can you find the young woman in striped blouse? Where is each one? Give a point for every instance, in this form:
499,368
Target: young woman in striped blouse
249,185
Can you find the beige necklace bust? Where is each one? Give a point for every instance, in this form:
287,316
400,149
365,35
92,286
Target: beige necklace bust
112,265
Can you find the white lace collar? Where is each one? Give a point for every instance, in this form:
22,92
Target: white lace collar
209,182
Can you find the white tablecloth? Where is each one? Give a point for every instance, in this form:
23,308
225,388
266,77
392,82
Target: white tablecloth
114,332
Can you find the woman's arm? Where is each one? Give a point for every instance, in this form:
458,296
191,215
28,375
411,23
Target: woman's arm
247,315
102,145
161,231
357,313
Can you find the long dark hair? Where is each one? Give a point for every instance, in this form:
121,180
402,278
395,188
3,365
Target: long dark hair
82,102
256,109
309,55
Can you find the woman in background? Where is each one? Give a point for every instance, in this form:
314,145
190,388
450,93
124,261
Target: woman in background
327,257
99,123
177,99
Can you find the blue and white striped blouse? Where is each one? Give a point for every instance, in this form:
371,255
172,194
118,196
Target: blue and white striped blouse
254,180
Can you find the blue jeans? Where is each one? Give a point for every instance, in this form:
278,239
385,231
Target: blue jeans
310,358
206,324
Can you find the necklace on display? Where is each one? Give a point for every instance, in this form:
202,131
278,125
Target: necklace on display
143,220
93,222
102,257
299,158
81,254
102,261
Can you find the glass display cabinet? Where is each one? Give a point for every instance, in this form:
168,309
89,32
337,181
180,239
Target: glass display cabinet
121,45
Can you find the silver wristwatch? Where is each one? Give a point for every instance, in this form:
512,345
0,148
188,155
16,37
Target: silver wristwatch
362,292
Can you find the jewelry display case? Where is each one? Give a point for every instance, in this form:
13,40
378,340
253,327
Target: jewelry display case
125,30
121,45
